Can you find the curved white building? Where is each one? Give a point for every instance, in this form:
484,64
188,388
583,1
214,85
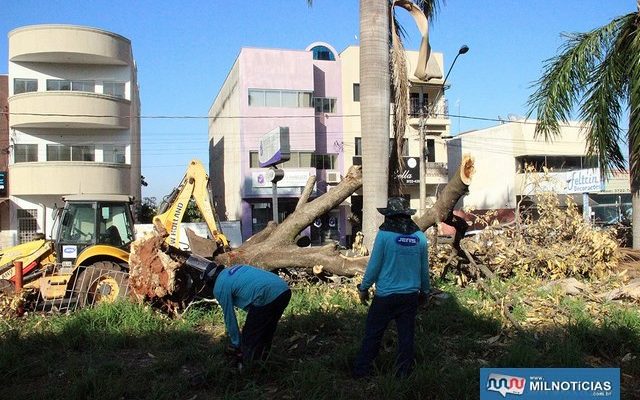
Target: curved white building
73,122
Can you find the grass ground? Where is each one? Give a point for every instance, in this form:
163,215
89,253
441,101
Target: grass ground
129,351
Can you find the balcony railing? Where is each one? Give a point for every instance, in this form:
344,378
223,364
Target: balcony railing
428,109
436,169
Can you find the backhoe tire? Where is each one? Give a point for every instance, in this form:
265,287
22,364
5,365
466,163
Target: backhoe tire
101,282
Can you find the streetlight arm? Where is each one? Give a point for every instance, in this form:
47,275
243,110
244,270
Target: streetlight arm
463,50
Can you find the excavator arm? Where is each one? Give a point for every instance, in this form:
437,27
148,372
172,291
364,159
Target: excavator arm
194,185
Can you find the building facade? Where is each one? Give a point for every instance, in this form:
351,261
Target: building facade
428,112
502,181
314,93
4,154
74,121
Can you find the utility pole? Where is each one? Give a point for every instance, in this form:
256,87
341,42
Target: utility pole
423,189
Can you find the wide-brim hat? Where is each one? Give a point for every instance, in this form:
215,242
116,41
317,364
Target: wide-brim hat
397,206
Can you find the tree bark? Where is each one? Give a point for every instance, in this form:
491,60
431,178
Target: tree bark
374,111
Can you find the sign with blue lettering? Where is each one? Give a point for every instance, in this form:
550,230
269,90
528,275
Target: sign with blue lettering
549,383
407,240
69,251
583,181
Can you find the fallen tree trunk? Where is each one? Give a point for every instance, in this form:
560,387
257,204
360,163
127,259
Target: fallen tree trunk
275,246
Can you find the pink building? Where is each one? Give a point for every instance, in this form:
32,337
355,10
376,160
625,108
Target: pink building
267,89
4,156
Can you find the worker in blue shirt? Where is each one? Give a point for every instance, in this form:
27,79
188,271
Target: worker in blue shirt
263,294
399,267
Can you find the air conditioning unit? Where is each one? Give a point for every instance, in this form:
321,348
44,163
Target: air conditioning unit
333,177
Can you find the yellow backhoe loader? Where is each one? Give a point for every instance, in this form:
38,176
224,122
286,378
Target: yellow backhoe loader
86,261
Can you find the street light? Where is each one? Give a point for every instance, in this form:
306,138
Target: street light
463,50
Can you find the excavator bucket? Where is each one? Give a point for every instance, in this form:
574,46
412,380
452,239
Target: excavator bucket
200,246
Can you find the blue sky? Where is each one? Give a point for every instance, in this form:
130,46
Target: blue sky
185,49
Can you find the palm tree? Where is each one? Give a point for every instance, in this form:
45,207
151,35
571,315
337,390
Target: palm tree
600,71
375,92
374,111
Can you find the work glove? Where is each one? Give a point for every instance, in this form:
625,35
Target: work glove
363,295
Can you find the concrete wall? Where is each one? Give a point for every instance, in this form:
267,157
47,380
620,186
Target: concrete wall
496,182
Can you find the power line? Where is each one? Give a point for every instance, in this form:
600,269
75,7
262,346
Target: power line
323,115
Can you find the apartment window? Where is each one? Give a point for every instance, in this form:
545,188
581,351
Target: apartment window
272,98
289,99
61,152
76,86
557,163
279,98
356,92
324,104
254,160
293,161
58,152
113,89
297,159
418,104
256,98
323,53
24,85
325,161
83,86
430,149
25,153
27,225
113,154
83,153
58,84
405,146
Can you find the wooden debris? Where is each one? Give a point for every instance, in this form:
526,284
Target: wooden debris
569,286
630,291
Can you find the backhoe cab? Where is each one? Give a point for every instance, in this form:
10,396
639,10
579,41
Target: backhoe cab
91,246
87,259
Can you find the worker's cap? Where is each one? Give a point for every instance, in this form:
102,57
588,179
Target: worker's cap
397,206
211,273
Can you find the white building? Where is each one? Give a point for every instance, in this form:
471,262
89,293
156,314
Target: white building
501,152
73,126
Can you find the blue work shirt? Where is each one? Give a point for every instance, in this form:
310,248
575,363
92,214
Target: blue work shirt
398,264
242,286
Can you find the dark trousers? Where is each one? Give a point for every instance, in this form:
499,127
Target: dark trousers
260,325
399,307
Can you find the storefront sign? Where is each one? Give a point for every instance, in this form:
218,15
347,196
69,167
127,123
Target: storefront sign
274,147
583,181
292,178
411,173
568,182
